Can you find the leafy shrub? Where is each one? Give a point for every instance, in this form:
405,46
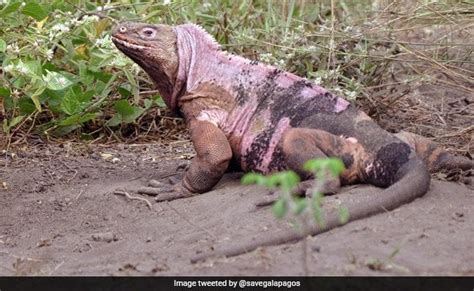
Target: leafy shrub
61,74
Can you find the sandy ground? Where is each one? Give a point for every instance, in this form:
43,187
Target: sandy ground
59,216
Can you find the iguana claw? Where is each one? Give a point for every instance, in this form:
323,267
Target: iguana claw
165,192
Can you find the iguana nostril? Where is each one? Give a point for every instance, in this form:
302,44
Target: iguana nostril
123,29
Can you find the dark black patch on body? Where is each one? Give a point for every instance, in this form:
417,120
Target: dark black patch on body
257,149
387,162
278,162
291,104
283,103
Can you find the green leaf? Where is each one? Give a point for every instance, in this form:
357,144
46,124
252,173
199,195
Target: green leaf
56,81
148,103
123,107
159,101
285,180
87,78
85,97
5,127
35,97
26,105
128,113
63,130
16,120
336,166
319,166
124,91
70,103
8,125
300,205
100,26
279,208
4,92
77,119
253,178
36,101
35,10
343,214
317,209
10,8
134,86
3,46
34,68
115,120
8,102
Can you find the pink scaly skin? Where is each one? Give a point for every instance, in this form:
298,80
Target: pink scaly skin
266,120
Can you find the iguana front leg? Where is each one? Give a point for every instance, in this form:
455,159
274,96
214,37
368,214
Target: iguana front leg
213,154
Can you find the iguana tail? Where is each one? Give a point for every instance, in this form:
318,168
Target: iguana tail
413,182
434,156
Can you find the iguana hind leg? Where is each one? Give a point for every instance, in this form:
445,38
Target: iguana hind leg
302,144
298,146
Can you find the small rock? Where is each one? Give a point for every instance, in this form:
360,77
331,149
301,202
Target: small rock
316,249
104,237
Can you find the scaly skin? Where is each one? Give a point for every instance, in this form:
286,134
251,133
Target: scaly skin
265,120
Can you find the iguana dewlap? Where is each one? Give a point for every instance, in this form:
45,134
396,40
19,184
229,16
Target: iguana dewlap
264,119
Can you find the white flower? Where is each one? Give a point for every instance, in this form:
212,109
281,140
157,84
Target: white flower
9,68
102,8
166,2
136,69
23,4
13,48
318,81
351,95
281,63
104,42
60,28
266,57
4,2
50,54
119,61
90,18
74,21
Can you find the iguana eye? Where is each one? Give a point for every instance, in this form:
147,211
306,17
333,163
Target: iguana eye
123,29
148,32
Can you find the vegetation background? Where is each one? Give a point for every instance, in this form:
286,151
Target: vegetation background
408,63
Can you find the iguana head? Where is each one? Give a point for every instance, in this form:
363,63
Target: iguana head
154,48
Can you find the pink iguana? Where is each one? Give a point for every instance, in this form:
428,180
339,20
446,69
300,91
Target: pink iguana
263,119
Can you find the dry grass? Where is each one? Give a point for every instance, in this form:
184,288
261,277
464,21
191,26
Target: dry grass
408,63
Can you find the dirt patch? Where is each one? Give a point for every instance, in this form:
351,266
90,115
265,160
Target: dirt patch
59,216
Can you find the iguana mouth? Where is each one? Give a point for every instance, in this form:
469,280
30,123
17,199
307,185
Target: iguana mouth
127,43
